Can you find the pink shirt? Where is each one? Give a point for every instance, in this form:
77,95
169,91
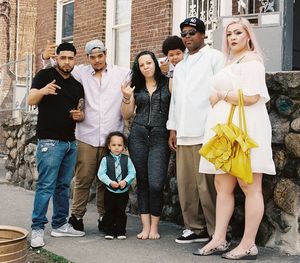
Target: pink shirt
103,98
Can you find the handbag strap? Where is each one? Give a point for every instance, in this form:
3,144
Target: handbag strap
242,118
230,116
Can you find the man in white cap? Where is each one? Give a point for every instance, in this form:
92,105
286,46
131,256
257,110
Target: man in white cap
103,97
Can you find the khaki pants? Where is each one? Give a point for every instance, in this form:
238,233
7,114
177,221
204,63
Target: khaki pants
197,194
88,161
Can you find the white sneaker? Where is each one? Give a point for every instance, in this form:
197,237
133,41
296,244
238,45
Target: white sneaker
121,237
37,238
66,230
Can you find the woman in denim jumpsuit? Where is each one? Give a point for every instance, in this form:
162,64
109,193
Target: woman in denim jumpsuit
148,97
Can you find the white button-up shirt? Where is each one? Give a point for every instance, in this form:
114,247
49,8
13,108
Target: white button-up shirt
103,98
191,88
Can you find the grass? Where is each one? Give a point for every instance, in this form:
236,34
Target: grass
41,255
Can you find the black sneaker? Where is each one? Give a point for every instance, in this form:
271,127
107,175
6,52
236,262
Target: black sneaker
77,224
109,237
189,236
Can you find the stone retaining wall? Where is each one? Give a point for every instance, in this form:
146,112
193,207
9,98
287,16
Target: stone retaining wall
280,225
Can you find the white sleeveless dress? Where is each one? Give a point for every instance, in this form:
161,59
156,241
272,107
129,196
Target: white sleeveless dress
250,77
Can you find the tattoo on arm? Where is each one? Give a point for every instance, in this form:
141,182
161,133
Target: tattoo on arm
80,105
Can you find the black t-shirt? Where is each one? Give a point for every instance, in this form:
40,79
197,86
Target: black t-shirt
54,120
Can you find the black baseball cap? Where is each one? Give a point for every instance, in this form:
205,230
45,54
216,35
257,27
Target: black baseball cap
195,22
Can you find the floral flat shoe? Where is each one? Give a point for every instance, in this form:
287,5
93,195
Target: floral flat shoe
250,254
213,251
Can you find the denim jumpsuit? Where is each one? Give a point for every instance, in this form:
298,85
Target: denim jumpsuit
148,147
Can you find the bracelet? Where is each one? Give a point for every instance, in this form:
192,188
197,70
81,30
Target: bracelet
225,97
126,101
124,98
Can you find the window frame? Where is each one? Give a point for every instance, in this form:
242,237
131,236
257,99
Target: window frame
59,20
110,34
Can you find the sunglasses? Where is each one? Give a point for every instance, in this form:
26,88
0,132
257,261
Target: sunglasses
191,32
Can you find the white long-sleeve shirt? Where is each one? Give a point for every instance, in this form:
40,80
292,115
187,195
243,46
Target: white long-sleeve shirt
192,84
103,98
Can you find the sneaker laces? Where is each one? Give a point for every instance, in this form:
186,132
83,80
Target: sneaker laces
65,227
37,233
71,229
187,232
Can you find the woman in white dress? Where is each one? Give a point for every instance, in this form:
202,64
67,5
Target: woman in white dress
244,70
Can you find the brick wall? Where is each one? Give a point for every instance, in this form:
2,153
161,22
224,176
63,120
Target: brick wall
89,23
12,30
151,23
7,53
26,31
45,26
8,22
13,40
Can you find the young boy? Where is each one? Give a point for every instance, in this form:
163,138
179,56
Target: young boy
117,172
173,48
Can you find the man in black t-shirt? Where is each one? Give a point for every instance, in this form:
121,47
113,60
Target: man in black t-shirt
59,97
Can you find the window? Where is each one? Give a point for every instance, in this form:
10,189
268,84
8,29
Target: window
208,10
65,21
118,33
260,6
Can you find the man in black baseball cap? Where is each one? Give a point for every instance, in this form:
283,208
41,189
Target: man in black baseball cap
192,85
193,34
194,22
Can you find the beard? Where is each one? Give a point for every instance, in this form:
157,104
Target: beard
99,69
64,71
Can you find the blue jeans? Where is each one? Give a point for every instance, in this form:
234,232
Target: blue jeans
55,164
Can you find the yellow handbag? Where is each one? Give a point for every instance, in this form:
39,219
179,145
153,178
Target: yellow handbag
229,149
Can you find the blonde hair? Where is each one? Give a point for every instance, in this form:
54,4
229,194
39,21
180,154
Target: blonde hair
253,45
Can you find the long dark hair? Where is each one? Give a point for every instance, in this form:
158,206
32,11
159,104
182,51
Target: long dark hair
138,80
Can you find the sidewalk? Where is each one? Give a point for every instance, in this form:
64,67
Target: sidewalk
16,207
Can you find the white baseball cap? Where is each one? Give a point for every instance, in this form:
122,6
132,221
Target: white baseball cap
95,43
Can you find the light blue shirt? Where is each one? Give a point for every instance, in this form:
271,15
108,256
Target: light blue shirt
103,177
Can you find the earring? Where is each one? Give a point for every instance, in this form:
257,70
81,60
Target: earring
249,44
